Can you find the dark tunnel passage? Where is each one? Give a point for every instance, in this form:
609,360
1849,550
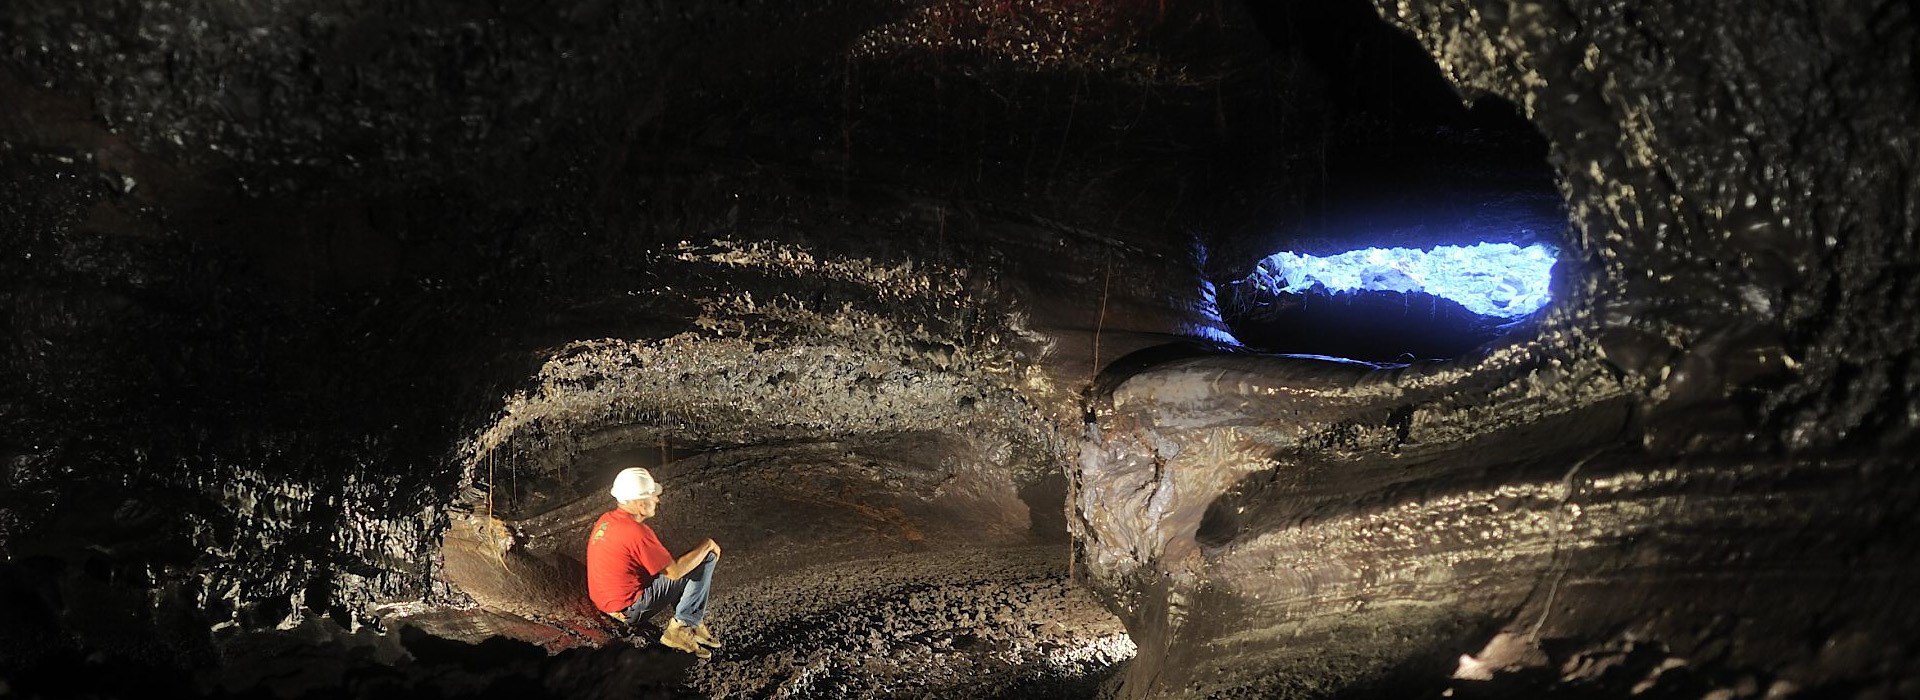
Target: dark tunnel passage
1401,163
998,343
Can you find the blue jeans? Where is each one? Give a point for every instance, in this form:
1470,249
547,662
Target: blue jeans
690,592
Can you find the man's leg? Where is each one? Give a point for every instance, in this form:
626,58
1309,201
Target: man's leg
693,598
661,588
685,632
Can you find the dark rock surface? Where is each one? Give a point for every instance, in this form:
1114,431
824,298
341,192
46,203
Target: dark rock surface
1688,482
326,322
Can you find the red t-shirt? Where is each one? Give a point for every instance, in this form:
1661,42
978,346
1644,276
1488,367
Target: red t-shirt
623,556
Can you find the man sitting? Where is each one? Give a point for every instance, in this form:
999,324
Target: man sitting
629,570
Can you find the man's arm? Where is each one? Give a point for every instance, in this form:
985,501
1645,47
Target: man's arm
691,559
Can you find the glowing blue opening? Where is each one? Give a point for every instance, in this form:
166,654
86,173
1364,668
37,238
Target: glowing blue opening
1491,279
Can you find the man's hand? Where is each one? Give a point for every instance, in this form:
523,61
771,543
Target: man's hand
712,546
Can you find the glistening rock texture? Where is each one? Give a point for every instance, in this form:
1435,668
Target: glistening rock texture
326,317
1691,481
326,321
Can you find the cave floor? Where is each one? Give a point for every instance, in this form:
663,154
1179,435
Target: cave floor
847,571
979,622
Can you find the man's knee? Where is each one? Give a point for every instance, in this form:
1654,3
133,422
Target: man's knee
704,571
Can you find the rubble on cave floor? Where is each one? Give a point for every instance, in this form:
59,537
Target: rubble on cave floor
989,621
971,622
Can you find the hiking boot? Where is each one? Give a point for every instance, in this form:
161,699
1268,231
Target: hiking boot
704,637
680,637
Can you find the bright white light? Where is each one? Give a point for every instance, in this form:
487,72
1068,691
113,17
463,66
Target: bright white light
1490,279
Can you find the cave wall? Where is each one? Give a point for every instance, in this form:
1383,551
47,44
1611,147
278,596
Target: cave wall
1660,477
285,279
1743,165
277,271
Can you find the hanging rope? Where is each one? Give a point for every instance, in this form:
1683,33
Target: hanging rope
1093,374
496,531
1100,322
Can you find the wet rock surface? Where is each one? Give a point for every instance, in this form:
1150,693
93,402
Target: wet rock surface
1583,500
328,321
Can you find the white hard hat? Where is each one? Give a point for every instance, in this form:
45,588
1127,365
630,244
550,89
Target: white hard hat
633,484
